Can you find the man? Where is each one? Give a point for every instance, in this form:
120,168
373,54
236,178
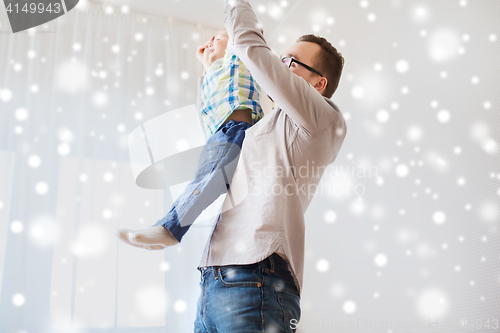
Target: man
252,266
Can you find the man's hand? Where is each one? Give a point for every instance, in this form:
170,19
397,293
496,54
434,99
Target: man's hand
202,53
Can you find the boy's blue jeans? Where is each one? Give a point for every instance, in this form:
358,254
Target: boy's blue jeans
213,176
260,297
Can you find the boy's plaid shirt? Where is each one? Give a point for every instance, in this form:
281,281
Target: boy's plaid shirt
228,86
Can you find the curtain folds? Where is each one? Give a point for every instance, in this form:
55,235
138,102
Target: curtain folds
71,91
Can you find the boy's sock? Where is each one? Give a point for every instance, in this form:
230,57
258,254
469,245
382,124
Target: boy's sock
154,238
127,236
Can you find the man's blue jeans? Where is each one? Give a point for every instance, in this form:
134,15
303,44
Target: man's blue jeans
260,297
214,173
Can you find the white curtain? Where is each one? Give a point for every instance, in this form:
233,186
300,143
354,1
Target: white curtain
71,91
403,232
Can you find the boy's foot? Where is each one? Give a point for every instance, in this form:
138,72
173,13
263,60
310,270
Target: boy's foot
153,238
127,237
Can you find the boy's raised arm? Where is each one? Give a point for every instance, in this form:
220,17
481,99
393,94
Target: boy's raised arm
199,106
297,98
202,56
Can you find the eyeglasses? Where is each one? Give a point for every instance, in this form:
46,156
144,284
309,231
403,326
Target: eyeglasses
289,60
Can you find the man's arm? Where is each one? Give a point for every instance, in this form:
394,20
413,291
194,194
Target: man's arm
300,100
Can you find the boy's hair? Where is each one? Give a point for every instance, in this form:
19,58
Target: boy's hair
219,31
330,62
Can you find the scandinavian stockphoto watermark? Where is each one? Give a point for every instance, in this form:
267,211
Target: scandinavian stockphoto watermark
336,180
430,325
212,168
331,325
26,14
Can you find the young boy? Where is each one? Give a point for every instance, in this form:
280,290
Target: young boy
230,99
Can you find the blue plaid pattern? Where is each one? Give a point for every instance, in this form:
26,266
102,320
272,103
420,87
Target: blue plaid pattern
228,86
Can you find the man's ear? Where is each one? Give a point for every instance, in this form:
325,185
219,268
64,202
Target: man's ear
321,84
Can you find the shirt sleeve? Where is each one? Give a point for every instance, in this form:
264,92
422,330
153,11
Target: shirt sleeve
306,107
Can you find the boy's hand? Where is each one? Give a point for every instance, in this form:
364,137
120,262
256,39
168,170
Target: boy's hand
201,50
202,53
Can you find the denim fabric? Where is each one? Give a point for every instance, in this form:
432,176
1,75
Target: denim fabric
260,297
214,173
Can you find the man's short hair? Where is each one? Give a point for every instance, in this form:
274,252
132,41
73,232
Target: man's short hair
329,62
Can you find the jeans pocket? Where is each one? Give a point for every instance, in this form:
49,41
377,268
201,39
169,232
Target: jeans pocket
289,301
240,275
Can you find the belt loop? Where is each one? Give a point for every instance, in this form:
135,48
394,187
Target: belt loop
271,260
214,270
